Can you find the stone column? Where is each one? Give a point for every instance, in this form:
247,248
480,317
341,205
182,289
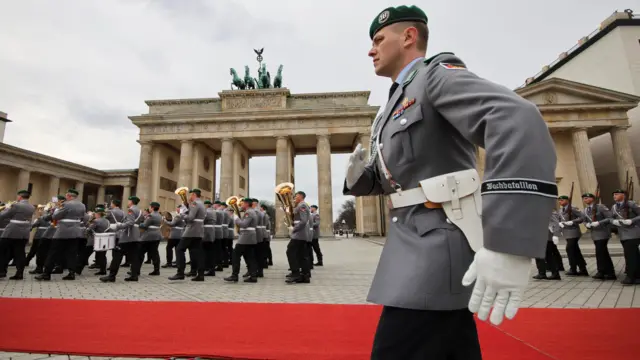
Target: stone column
623,154
325,197
54,187
101,194
195,165
126,192
584,161
186,163
367,205
226,169
143,187
155,173
282,175
23,180
80,189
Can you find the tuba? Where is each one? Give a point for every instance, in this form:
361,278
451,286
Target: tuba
183,191
234,202
284,192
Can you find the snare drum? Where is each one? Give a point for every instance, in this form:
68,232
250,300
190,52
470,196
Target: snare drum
104,241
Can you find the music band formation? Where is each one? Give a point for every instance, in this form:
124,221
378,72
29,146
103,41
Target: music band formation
66,235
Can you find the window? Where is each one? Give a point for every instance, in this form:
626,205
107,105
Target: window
204,183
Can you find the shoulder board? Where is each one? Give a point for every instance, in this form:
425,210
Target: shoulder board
429,60
410,77
450,66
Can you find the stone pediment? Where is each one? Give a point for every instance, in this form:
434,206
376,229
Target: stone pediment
562,93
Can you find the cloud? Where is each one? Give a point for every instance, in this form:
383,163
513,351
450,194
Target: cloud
72,71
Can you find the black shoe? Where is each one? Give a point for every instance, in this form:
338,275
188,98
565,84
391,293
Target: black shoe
583,272
165,266
251,279
598,276
131,278
43,277
70,276
571,273
232,278
177,277
319,263
36,271
540,277
270,263
628,281
198,278
57,270
210,273
101,272
247,274
17,276
555,276
154,273
108,278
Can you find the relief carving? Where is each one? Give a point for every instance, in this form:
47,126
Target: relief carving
253,103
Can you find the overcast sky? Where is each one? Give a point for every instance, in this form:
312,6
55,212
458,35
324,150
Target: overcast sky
72,71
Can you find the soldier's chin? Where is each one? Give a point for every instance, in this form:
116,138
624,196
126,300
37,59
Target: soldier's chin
380,70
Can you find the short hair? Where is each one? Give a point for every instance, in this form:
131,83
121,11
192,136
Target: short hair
423,33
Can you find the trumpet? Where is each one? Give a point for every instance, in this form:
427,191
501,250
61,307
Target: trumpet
8,205
183,191
234,202
284,192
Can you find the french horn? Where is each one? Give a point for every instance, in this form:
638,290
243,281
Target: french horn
284,192
234,203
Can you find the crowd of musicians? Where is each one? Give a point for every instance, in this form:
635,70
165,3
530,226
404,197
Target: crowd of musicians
65,235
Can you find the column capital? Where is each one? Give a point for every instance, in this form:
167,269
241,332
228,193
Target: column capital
281,137
323,136
126,186
620,127
144,142
185,141
582,128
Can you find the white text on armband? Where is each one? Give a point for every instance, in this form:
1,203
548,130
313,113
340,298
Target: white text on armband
520,186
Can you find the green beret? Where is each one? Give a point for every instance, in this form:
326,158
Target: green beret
315,206
223,203
392,15
24,192
588,195
217,202
563,197
73,191
248,200
195,191
301,193
135,199
207,202
116,202
154,204
619,191
61,197
99,210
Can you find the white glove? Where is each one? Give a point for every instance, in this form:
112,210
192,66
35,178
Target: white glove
500,281
183,210
555,239
616,222
113,226
356,165
627,222
235,217
568,223
290,230
587,225
561,225
595,224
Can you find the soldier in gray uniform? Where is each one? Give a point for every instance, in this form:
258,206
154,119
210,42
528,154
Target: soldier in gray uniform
16,234
8,254
191,239
315,242
259,247
208,242
597,218
626,216
65,240
129,242
423,155
230,233
41,224
297,250
219,232
549,262
227,230
177,228
114,215
45,242
99,225
245,246
310,240
266,244
83,239
570,220
150,239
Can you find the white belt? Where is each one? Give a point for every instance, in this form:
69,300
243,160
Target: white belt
153,227
249,228
209,226
177,227
69,221
198,220
225,225
296,221
136,225
218,226
42,228
1,229
20,221
261,227
408,198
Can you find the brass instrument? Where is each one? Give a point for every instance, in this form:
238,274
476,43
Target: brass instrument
54,223
284,192
88,231
167,216
234,202
8,205
183,191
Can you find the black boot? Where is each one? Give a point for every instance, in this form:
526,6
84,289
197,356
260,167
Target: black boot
232,278
319,263
131,278
43,277
155,272
70,276
540,276
210,272
19,275
37,270
178,276
199,276
108,278
554,276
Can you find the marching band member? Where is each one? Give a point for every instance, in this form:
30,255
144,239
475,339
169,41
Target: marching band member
129,242
45,242
598,220
16,234
220,232
208,242
98,225
177,228
626,216
41,224
268,257
191,238
245,246
150,239
230,226
297,251
258,249
315,243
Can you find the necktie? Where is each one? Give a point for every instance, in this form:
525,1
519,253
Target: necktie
392,89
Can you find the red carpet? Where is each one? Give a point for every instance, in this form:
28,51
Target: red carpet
287,331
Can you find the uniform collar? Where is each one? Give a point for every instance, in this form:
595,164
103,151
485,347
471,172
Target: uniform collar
406,69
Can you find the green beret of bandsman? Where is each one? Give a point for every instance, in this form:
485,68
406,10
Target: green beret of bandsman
134,199
588,195
154,204
248,200
563,197
217,202
619,191
61,197
222,203
315,206
24,192
207,202
195,191
73,191
99,210
392,15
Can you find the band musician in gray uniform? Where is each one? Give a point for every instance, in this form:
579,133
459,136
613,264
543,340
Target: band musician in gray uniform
268,256
245,246
16,234
65,240
219,233
259,247
297,251
423,155
41,224
549,263
150,239
570,220
99,225
315,241
626,216
8,254
597,218
227,229
193,217
208,242
177,228
129,242
45,242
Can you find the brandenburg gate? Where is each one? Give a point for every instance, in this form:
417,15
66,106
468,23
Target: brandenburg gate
181,140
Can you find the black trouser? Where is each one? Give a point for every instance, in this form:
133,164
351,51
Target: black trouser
171,244
259,256
217,252
195,254
269,254
297,253
132,251
604,264
33,251
13,248
264,261
151,249
228,250
85,254
208,249
310,254
248,253
556,255
316,248
43,252
549,263
62,249
426,334
576,260
632,258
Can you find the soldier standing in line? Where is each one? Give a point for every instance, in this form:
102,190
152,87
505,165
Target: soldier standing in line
98,226
548,263
570,220
310,240
16,234
177,228
65,240
129,242
597,218
208,242
193,217
150,239
423,155
41,224
266,235
626,216
315,242
297,251
45,243
219,232
258,248
245,246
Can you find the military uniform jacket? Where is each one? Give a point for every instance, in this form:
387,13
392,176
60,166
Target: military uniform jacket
41,225
220,225
259,225
69,218
209,225
177,227
84,223
300,222
628,232
19,216
554,226
247,224
51,230
572,231
603,217
431,126
115,216
99,225
316,225
3,224
230,225
130,227
195,220
151,226
267,227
